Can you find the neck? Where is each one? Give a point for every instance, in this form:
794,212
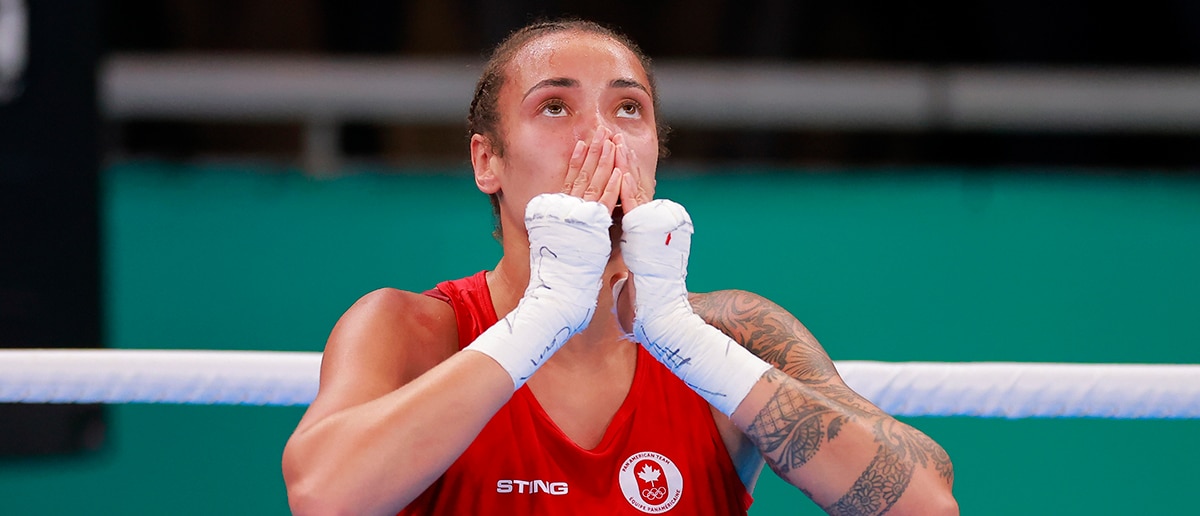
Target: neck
507,281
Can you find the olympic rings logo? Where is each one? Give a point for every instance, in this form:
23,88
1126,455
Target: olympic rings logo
656,493
650,482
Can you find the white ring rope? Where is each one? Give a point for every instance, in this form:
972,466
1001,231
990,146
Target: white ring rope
159,376
981,389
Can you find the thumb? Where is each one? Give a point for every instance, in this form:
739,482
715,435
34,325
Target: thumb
622,292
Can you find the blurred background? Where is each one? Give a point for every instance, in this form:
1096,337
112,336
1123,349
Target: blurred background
927,50
999,181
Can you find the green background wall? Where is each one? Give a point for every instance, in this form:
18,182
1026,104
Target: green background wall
894,265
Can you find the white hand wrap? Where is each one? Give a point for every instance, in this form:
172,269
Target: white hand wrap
569,247
657,241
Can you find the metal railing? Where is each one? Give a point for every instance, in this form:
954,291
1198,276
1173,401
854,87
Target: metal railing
323,93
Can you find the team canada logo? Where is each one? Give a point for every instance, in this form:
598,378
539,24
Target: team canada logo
650,482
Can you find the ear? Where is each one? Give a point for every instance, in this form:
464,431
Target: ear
485,162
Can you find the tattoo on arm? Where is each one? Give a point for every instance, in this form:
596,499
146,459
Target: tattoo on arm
776,336
913,446
767,330
815,408
788,428
788,431
878,488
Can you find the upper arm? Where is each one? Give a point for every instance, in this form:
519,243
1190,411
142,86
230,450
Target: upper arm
768,331
387,338
780,339
818,419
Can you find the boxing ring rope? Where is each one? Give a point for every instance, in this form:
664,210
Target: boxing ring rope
979,389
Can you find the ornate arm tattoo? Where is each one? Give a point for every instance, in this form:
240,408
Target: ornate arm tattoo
811,404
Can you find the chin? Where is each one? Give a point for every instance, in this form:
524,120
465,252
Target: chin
615,229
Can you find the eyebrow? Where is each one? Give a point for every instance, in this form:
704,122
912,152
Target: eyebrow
628,83
565,82
557,82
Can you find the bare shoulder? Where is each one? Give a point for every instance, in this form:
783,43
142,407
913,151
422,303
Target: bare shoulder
768,331
383,341
397,330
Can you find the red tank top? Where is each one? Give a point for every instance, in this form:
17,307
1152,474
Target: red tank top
661,453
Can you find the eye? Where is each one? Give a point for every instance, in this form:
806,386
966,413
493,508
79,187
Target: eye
629,109
554,108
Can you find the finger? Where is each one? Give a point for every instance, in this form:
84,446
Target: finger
612,190
621,158
589,163
604,172
646,193
623,296
574,165
630,197
619,140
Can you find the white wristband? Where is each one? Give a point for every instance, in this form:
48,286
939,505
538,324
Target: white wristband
569,247
656,244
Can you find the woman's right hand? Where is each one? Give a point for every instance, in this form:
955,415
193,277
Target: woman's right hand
592,174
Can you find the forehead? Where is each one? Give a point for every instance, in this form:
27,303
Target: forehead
573,54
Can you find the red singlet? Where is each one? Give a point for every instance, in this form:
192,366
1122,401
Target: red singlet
661,453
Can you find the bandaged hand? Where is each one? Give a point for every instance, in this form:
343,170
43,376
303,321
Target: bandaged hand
569,247
656,243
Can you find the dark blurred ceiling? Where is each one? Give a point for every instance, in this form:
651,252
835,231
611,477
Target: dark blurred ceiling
1150,34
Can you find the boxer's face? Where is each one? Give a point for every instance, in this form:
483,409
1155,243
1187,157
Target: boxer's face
560,89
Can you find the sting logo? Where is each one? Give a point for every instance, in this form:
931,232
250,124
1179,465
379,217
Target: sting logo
531,487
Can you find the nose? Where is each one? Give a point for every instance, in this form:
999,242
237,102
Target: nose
588,125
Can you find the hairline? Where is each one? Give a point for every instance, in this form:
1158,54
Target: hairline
503,73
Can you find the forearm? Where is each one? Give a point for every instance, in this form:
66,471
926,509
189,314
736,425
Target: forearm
376,457
849,459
